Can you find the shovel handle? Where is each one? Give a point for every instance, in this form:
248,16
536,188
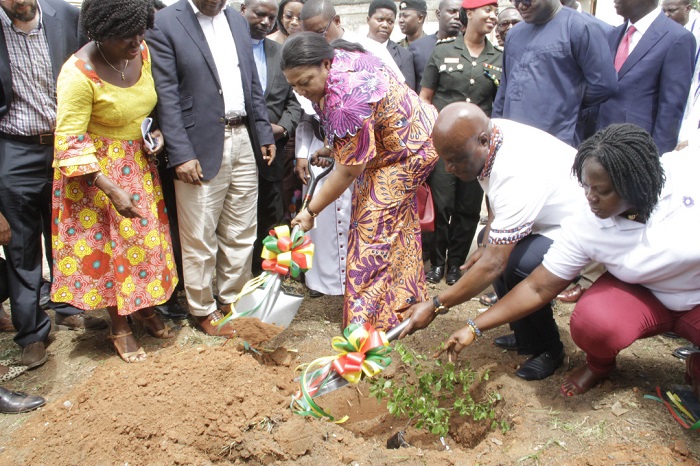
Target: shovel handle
313,181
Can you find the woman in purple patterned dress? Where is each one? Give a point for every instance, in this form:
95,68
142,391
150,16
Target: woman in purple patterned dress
379,133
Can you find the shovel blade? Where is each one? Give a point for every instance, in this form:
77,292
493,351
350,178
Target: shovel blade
282,312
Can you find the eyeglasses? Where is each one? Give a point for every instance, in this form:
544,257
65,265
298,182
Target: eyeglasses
526,3
323,33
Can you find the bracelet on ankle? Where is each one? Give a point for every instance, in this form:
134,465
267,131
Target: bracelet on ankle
475,329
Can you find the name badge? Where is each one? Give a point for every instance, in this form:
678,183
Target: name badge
451,60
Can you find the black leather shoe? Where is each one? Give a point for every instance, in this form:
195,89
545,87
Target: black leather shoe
314,293
541,366
684,351
453,275
18,402
506,342
171,309
435,274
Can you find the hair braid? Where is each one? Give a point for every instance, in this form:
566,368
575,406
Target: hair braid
630,157
105,19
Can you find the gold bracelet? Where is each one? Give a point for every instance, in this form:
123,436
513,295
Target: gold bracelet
94,180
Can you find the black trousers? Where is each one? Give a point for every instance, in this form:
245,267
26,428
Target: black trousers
167,177
25,201
457,211
270,214
537,332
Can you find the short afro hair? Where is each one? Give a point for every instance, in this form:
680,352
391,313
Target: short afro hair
630,157
377,4
106,19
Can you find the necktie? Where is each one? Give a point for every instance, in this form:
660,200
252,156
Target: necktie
623,50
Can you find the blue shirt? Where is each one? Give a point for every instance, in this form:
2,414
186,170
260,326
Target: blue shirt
260,61
550,70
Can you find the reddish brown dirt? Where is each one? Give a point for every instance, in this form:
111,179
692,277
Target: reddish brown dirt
199,401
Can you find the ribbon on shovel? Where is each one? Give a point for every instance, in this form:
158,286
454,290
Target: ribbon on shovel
362,350
282,253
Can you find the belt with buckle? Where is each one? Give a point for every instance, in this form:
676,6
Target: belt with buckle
44,139
234,121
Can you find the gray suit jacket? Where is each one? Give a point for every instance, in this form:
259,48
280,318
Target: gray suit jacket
60,21
190,100
282,107
404,60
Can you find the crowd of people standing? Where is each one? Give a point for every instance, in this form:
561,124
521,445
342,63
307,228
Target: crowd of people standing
241,105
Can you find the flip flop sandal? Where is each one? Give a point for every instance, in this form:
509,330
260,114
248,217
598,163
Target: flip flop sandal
13,372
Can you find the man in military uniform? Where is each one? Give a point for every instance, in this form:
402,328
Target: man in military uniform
463,68
412,15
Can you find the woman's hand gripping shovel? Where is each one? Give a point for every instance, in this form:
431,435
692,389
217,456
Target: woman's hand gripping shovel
284,253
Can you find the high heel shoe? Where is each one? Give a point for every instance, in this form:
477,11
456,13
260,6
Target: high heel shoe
128,356
150,324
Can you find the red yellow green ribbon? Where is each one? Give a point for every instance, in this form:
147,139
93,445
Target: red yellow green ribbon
281,254
285,254
362,350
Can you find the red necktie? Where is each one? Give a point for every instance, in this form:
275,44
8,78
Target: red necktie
623,50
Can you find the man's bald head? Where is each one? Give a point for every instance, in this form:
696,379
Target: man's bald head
462,138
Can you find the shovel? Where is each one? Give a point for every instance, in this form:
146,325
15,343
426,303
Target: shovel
336,381
273,305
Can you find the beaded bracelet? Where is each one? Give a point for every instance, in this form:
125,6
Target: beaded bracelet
475,329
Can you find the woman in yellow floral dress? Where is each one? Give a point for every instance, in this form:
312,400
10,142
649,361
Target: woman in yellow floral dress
111,240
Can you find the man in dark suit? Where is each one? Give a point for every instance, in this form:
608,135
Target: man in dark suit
284,112
448,26
37,38
381,18
217,133
654,58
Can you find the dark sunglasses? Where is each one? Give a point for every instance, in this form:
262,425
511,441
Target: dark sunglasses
525,3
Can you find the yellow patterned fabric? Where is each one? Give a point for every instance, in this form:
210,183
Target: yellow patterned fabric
101,258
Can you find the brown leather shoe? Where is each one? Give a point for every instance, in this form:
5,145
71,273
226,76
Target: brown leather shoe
80,321
34,355
205,323
6,324
571,295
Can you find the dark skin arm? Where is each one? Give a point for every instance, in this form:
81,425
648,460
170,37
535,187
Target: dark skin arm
124,202
485,265
336,184
5,233
531,294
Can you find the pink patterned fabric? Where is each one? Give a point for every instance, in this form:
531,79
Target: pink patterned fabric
371,118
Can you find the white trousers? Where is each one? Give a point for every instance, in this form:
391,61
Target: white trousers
218,222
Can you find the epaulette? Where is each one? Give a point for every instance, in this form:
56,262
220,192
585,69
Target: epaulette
445,40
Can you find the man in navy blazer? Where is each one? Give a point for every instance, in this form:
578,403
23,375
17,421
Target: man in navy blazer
217,133
654,79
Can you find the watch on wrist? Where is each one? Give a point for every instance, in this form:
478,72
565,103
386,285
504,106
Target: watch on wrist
439,307
311,212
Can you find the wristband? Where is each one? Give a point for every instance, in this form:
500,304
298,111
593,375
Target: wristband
311,212
475,329
439,307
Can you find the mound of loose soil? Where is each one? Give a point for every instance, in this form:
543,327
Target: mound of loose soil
203,400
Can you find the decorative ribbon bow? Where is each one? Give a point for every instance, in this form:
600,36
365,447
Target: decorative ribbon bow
282,253
361,350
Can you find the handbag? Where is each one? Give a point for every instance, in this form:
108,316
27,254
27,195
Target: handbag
426,208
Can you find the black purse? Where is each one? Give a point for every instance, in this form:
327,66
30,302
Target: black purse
4,286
